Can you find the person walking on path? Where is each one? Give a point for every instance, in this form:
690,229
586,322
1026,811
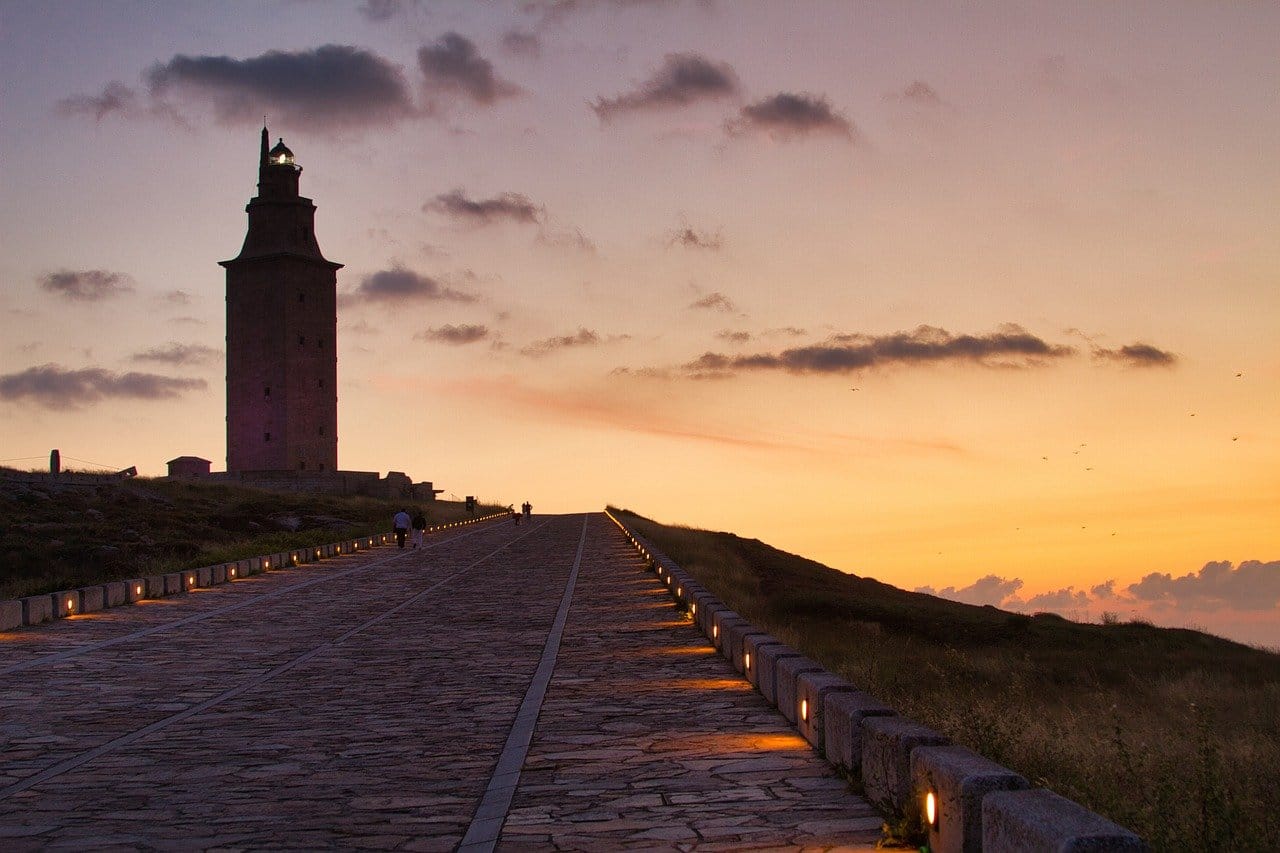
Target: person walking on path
419,528
528,510
401,524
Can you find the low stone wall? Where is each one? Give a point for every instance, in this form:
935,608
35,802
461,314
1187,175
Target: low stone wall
964,801
35,609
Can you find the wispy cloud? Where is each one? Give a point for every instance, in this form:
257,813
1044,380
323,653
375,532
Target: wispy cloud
734,337
455,335
400,284
681,80
55,387
789,115
381,11
328,87
992,589
87,285
715,301
1010,346
1252,585
178,353
453,66
115,97
582,338
917,93
504,207
689,237
521,43
1137,355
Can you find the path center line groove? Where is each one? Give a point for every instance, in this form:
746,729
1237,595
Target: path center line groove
127,739
55,657
491,814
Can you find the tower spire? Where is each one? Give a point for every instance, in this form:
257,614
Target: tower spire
266,138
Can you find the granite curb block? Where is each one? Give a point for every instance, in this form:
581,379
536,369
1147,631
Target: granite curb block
843,714
887,743
135,589
812,690
958,779
1042,820
752,646
115,593
91,599
767,661
65,603
980,804
784,687
721,622
735,637
36,609
10,615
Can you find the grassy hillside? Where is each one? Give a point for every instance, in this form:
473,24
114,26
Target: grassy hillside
1173,733
61,536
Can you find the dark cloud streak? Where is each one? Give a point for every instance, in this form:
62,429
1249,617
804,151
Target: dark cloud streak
1011,346
454,65
87,285
399,284
683,79
178,353
511,207
458,335
56,387
787,115
332,86
1137,355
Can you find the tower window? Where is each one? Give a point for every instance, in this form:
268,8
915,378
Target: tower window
266,436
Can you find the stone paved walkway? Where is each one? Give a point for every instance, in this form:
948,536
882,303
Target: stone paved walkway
365,702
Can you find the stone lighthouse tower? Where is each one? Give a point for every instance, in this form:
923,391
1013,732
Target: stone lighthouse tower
282,323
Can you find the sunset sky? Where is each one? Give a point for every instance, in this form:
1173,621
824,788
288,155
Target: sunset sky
979,298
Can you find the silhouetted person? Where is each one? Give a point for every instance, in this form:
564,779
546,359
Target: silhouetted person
401,524
419,528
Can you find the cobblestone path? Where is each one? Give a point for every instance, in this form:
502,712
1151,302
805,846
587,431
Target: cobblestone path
387,700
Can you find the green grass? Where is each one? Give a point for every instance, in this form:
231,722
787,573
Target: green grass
1172,733
61,536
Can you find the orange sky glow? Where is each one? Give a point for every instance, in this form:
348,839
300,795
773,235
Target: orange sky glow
975,299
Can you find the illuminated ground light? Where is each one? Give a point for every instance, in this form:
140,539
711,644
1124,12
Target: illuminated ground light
231,572
266,564
191,580
317,553
679,590
71,606
715,632
746,660
137,590
804,710
931,809
295,559
693,609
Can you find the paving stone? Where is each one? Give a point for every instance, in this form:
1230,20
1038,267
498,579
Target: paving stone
363,702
